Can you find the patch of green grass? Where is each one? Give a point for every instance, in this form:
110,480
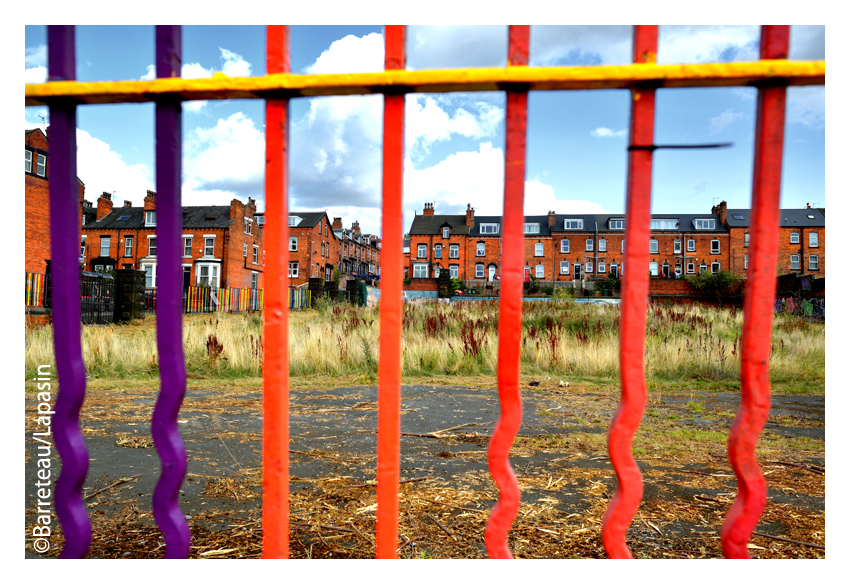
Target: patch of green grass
696,407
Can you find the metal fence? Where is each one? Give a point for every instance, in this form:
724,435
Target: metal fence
771,75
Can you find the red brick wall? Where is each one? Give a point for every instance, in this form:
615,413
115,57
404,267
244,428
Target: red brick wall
309,252
237,268
423,284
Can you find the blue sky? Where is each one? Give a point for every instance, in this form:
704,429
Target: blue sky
576,140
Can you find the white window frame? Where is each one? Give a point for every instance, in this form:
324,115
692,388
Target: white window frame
539,271
294,220
565,267
623,245
746,261
245,250
814,262
207,239
438,252
454,251
27,160
214,278
565,246
150,218
531,227
653,243
187,242
715,267
446,232
692,245
653,268
436,270
422,250
82,247
588,268
488,228
746,239
151,246
600,268
480,249
715,246
293,244
574,224
256,256
795,262
677,246
293,269
690,269
108,241
617,224
454,271
663,224
795,237
420,270
603,245
704,223
128,246
40,164
813,239
248,225
149,275
255,277
588,245
479,270
538,250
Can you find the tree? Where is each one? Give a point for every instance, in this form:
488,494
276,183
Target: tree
718,286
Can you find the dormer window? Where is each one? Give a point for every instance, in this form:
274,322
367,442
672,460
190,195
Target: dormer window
664,224
489,228
573,223
531,228
446,232
41,165
703,223
150,218
27,160
248,225
293,220
617,224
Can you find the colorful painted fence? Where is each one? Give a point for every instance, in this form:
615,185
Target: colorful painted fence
35,287
771,75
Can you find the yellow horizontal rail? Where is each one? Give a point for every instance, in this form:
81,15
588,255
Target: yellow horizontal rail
219,86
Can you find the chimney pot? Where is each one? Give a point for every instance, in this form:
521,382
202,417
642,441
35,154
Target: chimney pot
128,203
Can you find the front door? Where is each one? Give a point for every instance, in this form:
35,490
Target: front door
492,275
577,271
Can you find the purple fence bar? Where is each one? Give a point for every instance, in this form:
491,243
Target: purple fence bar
169,313
65,274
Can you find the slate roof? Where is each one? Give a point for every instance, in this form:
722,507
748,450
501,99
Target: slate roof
787,217
206,217
308,218
430,225
594,222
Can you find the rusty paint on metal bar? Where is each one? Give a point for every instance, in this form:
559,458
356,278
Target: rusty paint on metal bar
510,310
276,313
65,276
759,294
627,418
169,313
536,78
389,368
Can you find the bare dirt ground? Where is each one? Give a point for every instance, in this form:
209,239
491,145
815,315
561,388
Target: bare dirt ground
446,494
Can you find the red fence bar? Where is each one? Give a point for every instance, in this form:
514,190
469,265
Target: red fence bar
627,418
389,372
759,295
276,314
510,307
65,301
169,313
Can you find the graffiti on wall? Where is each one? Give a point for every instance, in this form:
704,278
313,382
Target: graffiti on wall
814,307
373,295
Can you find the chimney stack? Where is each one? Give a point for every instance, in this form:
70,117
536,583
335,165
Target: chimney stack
150,201
722,210
551,219
337,223
429,210
128,203
104,205
356,227
470,216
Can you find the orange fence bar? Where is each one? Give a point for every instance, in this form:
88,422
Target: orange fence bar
276,324
510,307
389,372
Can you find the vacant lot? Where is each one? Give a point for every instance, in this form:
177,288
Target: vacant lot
559,457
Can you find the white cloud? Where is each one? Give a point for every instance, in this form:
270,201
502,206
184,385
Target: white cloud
580,45
103,170
540,198
447,47
603,132
35,75
427,122
724,120
807,106
702,44
35,56
351,54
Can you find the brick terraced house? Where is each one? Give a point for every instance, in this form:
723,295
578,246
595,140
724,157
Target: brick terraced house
222,245
562,248
359,253
36,200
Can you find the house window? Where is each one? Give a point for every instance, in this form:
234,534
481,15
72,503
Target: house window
150,218
665,270
454,251
603,245
293,269
813,239
703,223
653,246
715,267
453,271
187,247
601,267
104,247
623,245
746,240
677,246
538,271
256,254
617,224
245,250
207,275
531,228
293,220
479,248
588,268
150,275
813,262
653,268
41,165
152,247
479,270
248,223
795,262
715,246
538,249
565,246
422,250
420,270
573,223
565,267
254,276
446,231
692,245
588,245
209,246
795,237
664,224
128,246
489,228
690,269
293,244
746,261
436,270
27,160
702,268
82,248
438,251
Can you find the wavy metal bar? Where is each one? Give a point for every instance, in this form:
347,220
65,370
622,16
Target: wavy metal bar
169,316
450,80
627,418
759,295
65,280
389,373
510,309
276,315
